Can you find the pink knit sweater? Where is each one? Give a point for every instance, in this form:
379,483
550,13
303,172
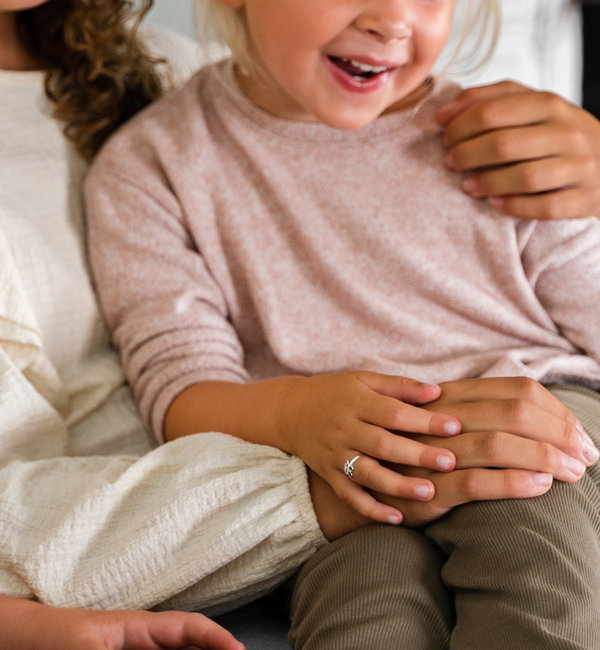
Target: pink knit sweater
232,245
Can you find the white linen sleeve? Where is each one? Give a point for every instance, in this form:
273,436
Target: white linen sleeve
204,523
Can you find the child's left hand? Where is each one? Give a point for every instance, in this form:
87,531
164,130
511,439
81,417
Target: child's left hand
532,154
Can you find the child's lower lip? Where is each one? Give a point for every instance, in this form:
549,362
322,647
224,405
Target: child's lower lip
352,84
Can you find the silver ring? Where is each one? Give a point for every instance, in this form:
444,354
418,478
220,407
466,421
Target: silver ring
349,467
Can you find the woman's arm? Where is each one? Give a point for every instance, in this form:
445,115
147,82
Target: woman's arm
125,533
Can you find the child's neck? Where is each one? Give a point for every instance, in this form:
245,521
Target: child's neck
13,54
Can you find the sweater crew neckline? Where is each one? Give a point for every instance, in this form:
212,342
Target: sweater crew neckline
422,115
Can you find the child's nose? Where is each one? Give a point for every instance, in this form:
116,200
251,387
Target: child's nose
388,20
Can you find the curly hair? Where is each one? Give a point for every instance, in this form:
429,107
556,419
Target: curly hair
97,72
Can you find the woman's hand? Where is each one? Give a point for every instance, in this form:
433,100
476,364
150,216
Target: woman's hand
516,438
328,419
31,626
514,422
532,154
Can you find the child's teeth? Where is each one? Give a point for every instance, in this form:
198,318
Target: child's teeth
365,67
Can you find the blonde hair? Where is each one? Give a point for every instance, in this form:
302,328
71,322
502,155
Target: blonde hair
474,46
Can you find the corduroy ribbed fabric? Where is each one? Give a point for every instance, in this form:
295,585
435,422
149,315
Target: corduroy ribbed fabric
347,596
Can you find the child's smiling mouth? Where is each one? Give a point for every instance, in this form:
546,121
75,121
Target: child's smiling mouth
357,69
358,75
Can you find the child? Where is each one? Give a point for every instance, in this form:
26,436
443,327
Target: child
263,265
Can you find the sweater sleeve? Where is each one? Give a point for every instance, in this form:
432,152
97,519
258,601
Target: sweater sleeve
168,316
562,262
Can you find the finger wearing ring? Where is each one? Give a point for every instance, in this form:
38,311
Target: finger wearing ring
349,467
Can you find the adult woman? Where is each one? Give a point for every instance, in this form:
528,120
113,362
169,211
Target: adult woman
90,515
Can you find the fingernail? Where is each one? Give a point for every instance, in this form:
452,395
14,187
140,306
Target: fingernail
590,451
451,428
496,202
394,520
574,466
450,162
470,185
424,491
540,480
445,463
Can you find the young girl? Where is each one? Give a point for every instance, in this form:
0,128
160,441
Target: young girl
268,273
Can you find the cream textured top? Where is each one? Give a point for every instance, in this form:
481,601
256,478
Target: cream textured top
233,245
85,520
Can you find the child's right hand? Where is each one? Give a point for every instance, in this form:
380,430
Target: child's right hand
328,419
48,628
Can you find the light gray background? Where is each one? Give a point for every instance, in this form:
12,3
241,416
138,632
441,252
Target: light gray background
176,14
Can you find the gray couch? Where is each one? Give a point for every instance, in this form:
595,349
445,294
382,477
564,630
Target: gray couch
261,625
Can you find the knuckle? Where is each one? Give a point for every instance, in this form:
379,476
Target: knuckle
517,409
382,446
528,388
503,143
532,177
554,103
577,138
509,85
399,418
486,115
492,444
470,484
